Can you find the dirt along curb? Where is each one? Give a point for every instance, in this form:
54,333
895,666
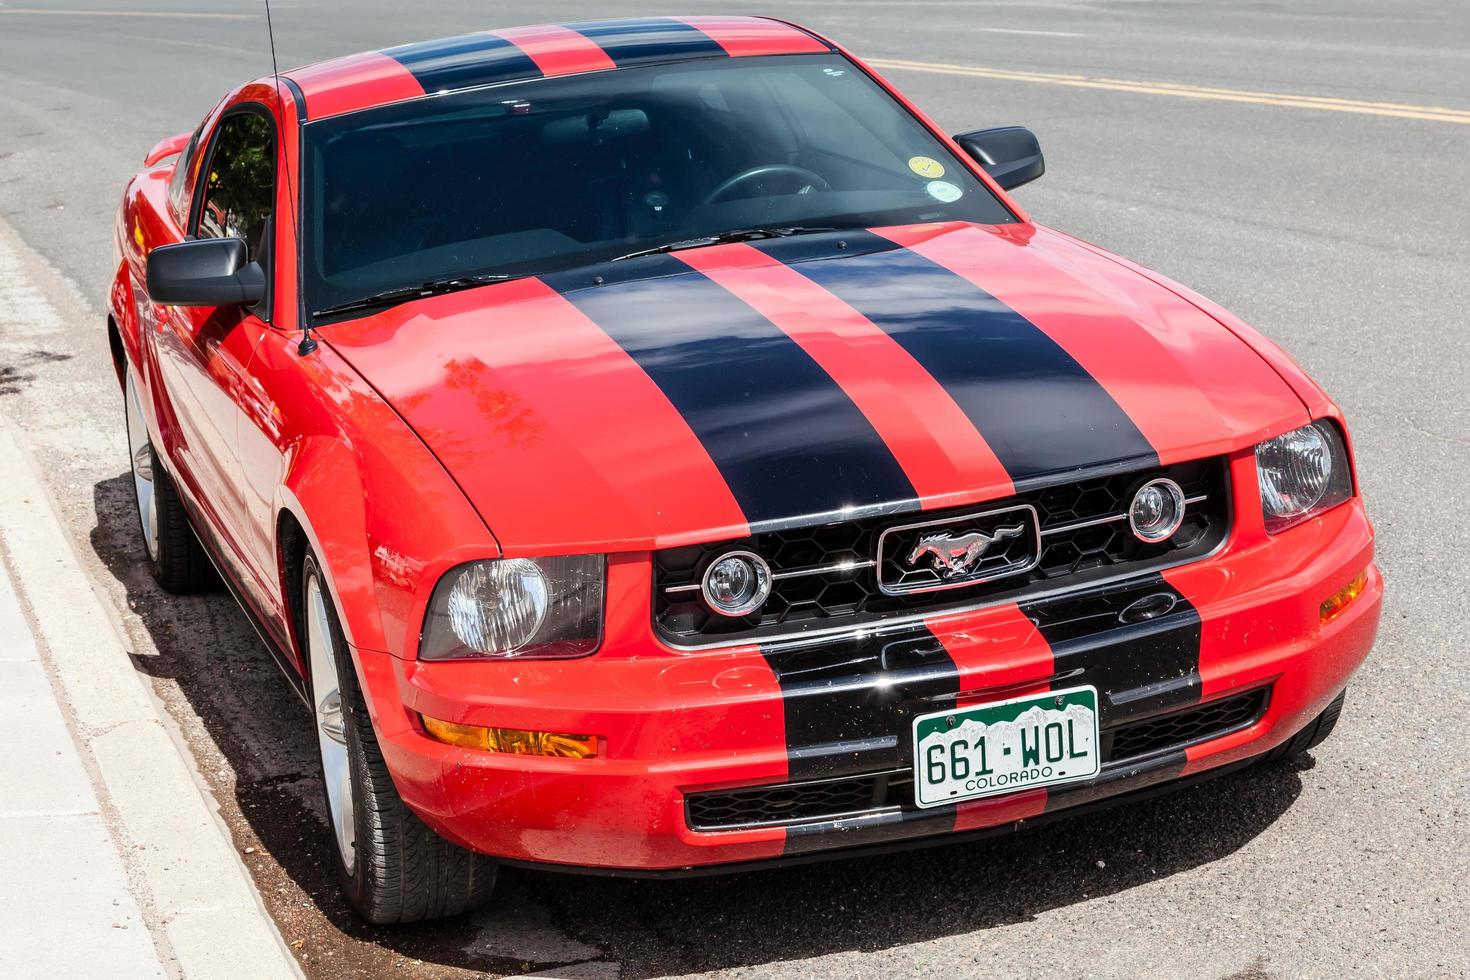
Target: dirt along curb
196,896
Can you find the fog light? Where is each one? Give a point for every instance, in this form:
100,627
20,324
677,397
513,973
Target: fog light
737,584
1334,604
512,741
1157,511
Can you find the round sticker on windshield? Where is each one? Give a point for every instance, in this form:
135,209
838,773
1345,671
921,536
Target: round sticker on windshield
926,167
943,190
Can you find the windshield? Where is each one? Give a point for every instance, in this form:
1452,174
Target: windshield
539,176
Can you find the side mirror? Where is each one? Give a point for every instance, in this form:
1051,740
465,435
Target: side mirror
204,272
1010,154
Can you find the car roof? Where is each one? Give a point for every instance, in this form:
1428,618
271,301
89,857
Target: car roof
471,60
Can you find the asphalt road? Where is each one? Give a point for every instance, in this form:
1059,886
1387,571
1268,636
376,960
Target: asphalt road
1336,226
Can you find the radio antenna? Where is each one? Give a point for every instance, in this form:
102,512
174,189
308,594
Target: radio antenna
308,342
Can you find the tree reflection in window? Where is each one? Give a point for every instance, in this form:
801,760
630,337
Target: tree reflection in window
240,188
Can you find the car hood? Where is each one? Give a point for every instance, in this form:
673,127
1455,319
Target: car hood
716,391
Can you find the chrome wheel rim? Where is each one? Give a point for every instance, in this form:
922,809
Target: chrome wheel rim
140,450
331,722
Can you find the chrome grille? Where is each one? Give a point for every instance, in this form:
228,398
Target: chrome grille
826,576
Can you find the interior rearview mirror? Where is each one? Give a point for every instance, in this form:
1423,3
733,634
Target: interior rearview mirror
1010,154
205,272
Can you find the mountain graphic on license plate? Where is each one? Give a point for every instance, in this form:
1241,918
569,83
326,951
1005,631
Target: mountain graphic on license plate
1006,746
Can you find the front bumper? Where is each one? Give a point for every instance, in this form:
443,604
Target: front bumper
675,723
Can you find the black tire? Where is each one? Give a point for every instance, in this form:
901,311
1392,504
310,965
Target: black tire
403,872
1314,734
180,565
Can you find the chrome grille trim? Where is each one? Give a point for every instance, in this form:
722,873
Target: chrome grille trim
901,621
1111,518
835,568
826,575
855,566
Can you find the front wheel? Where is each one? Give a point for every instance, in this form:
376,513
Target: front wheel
392,867
1314,734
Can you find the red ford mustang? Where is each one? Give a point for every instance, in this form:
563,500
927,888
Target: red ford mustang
653,446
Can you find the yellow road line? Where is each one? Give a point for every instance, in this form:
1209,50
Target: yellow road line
1395,110
53,12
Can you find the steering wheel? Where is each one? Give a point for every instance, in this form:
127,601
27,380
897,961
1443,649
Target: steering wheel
813,180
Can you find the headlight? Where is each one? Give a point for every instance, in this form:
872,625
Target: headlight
547,608
1302,473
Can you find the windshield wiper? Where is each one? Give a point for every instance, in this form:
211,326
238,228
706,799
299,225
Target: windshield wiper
449,284
433,287
723,238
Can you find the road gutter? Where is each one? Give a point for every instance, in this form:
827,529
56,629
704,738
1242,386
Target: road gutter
198,899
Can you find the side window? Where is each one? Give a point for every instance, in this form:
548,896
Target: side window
178,184
239,182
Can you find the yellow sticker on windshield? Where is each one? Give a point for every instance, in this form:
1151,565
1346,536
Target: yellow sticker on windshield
926,167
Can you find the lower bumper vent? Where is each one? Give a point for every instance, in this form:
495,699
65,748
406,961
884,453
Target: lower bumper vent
833,799
1208,721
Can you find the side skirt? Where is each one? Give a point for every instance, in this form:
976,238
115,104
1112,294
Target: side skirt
281,657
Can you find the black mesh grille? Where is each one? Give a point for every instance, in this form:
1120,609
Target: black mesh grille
829,799
1185,727
789,803
852,596
793,802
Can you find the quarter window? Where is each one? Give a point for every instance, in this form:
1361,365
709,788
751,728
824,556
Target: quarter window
239,182
179,182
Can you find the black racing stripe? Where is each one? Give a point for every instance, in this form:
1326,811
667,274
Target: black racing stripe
1039,410
1139,669
787,439
634,42
464,62
849,702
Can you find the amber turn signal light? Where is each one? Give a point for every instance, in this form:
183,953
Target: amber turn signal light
1334,604
514,741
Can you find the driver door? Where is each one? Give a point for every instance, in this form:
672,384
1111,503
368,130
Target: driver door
202,351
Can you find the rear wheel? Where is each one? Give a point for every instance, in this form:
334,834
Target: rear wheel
392,867
175,556
1314,734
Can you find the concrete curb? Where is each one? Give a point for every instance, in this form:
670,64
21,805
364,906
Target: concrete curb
200,901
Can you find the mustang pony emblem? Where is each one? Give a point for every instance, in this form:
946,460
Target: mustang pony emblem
954,554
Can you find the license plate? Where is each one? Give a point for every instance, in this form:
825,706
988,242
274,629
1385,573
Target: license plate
1005,746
